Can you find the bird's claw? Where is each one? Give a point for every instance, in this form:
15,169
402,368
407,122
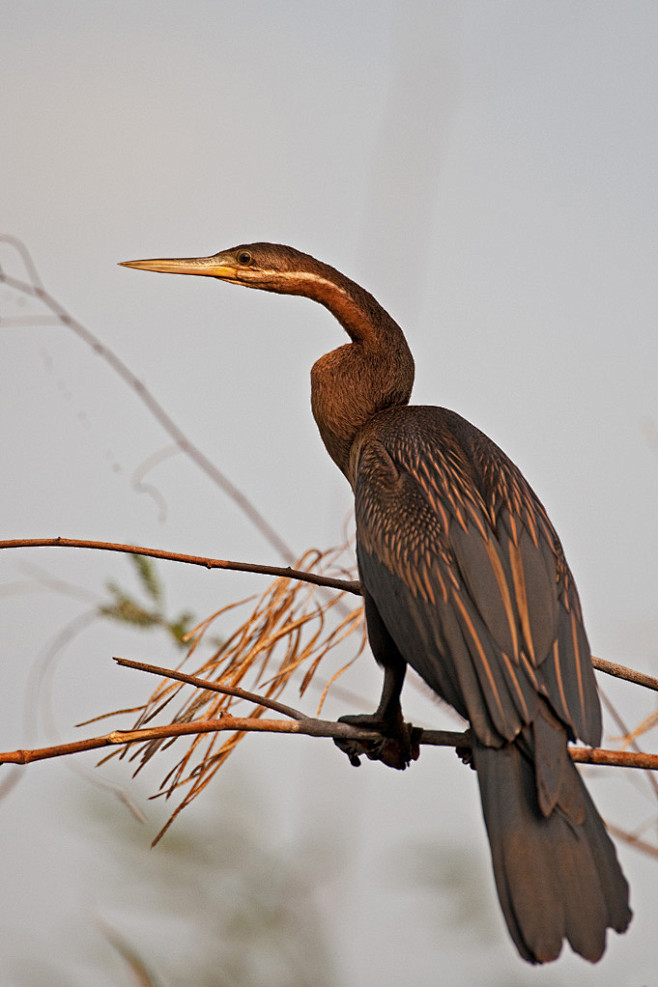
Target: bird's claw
465,751
397,746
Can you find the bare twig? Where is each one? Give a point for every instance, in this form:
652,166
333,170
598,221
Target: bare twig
225,690
626,734
434,738
345,585
34,288
299,724
288,630
309,727
621,672
286,572
632,840
619,759
143,976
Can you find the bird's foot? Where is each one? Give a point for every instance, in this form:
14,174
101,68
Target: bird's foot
397,746
465,751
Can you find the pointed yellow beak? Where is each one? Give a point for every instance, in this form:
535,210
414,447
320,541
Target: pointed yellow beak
211,267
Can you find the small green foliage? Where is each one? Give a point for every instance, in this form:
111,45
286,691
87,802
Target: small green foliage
180,628
126,609
146,571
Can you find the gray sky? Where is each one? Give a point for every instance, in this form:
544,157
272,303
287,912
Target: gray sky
488,172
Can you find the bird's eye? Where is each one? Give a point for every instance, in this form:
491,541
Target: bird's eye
244,257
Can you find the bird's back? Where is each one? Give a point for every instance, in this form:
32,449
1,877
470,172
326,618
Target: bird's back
466,573
449,529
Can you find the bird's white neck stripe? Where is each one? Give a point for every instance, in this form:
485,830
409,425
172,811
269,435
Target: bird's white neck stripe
307,276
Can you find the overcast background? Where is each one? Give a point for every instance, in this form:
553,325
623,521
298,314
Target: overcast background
488,171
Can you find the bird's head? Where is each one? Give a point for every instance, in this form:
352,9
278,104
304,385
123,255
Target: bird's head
268,266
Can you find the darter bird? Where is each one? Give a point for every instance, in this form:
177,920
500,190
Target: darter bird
464,579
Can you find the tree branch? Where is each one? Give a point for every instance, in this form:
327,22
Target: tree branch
35,289
225,690
309,727
286,572
622,672
632,840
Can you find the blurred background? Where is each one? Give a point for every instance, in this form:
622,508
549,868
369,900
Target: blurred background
488,171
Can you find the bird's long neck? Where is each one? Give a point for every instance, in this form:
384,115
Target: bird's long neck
373,372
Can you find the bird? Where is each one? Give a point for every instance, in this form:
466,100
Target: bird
464,579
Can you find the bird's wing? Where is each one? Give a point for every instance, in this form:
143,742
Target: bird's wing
469,577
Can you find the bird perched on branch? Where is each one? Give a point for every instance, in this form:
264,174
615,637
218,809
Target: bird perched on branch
464,579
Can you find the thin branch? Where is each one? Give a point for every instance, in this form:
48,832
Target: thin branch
625,733
620,759
34,288
25,256
226,690
632,840
434,738
622,672
143,976
309,727
285,572
299,724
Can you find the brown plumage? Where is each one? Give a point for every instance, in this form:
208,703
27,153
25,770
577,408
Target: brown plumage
464,579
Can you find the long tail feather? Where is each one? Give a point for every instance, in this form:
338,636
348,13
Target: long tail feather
557,877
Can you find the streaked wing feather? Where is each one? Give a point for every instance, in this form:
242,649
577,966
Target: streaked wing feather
469,576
